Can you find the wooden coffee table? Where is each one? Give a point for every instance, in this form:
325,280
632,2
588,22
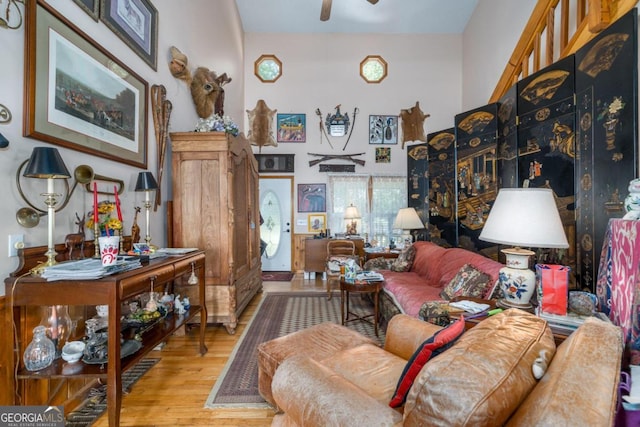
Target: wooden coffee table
365,287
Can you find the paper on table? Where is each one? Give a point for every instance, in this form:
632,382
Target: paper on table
470,306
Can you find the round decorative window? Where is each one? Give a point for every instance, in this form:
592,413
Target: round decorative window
373,69
268,68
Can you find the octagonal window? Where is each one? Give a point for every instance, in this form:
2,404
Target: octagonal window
373,69
268,68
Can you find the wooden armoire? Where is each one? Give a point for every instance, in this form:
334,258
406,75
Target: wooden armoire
216,208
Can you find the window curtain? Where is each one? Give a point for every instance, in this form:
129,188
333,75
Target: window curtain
378,199
388,195
346,190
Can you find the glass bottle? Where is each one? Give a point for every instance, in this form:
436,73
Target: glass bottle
57,323
40,352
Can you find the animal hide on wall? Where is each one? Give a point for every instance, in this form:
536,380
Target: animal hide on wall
413,124
261,125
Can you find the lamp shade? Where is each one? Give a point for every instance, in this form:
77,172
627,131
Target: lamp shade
146,182
351,212
526,217
407,219
46,162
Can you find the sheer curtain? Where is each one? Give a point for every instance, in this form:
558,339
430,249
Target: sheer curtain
378,199
345,190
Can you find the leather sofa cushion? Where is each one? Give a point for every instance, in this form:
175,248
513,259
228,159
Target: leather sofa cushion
369,367
484,377
577,388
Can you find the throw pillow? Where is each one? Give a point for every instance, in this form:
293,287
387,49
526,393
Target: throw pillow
439,342
436,312
335,261
378,263
468,282
405,259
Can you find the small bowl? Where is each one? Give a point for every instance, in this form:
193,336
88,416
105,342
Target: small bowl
72,351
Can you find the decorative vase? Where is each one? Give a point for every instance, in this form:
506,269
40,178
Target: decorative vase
57,324
40,352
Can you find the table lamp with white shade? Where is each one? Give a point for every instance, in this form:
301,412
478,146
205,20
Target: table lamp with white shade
352,214
407,219
522,217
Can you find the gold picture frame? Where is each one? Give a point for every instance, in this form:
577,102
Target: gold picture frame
316,222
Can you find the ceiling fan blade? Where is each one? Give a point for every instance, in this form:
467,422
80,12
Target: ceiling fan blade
373,1
325,11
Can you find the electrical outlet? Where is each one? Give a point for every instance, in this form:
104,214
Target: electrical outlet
16,241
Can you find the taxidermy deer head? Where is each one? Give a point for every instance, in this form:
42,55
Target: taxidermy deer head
205,84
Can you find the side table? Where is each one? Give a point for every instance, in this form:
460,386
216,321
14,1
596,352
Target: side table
371,287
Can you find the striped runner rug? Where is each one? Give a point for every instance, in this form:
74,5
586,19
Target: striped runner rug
278,314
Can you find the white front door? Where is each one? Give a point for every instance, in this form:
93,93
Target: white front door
275,207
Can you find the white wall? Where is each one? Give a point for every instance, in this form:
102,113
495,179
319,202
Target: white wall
218,44
322,71
488,42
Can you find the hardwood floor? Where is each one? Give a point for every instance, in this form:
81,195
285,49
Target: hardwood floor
173,392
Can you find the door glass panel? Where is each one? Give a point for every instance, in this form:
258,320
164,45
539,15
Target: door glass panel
270,230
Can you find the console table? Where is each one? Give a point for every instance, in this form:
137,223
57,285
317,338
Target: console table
112,290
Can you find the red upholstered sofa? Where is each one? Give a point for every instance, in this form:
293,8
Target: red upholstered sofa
432,269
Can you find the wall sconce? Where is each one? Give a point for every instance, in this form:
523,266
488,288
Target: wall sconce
45,162
146,182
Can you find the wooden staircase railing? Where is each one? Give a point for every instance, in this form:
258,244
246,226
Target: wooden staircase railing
556,29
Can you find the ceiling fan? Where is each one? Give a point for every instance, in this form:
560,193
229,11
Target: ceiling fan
325,11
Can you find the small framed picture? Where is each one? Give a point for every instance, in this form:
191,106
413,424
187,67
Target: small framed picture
383,154
292,127
383,129
312,197
317,222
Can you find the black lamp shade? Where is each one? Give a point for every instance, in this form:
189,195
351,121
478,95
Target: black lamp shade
45,162
146,182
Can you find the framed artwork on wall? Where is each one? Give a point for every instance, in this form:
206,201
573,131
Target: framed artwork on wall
136,23
92,7
292,127
383,129
312,197
275,162
316,222
79,96
383,154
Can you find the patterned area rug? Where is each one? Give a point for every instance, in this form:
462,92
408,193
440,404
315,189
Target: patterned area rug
277,276
96,402
278,314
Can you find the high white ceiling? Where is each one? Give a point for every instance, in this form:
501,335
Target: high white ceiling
356,16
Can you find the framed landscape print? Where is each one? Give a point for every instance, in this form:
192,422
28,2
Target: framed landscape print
79,96
136,23
312,197
383,129
292,127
